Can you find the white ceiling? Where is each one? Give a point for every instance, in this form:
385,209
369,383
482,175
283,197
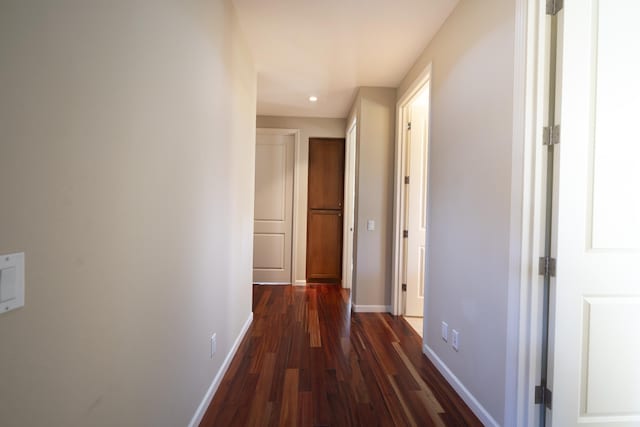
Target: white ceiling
329,48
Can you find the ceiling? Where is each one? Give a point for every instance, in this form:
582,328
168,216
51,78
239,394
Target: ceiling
329,48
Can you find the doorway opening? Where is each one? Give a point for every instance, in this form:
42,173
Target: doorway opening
411,215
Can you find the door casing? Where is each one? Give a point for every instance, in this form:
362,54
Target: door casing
348,260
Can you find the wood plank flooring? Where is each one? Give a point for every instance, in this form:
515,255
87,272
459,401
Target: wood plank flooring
308,361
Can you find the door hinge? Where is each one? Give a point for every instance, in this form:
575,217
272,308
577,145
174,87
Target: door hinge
408,125
551,135
554,6
406,179
405,233
404,287
543,396
547,266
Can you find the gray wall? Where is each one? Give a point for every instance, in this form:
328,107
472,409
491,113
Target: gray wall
469,184
309,128
374,109
126,160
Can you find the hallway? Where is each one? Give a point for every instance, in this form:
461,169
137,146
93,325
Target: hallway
306,360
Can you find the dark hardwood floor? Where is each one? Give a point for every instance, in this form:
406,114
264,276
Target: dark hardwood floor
308,361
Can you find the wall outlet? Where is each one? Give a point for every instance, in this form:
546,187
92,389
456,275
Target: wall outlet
213,345
455,340
445,331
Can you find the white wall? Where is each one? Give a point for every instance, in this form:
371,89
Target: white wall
470,179
309,128
374,109
127,134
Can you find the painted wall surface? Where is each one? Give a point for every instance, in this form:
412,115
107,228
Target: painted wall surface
309,128
374,109
127,150
470,177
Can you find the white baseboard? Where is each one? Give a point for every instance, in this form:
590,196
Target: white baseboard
300,283
371,308
271,283
208,397
462,391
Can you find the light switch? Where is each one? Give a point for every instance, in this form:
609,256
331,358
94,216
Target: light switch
371,225
11,282
7,284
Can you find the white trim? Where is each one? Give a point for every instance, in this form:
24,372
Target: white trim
524,310
462,391
300,283
350,150
396,278
519,403
208,397
295,227
271,283
371,308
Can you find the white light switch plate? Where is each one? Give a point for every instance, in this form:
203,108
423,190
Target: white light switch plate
214,345
445,331
371,225
455,340
11,282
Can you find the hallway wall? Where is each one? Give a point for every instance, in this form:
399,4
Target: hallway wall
374,108
470,186
309,127
127,150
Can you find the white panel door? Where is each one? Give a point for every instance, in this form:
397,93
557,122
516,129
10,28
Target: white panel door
417,206
273,212
595,334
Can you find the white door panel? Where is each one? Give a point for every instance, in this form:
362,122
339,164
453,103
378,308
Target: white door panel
417,205
269,251
273,211
595,362
271,191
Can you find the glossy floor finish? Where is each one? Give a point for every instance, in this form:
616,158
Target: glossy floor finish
307,361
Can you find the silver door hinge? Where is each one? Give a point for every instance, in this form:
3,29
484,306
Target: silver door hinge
551,135
554,6
547,266
404,287
543,396
406,179
408,125
405,233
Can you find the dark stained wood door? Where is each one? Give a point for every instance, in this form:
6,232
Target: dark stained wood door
324,214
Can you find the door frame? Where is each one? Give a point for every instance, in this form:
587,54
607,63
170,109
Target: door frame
295,232
350,156
402,114
528,206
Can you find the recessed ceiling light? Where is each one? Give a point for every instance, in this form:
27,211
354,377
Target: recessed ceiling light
313,98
